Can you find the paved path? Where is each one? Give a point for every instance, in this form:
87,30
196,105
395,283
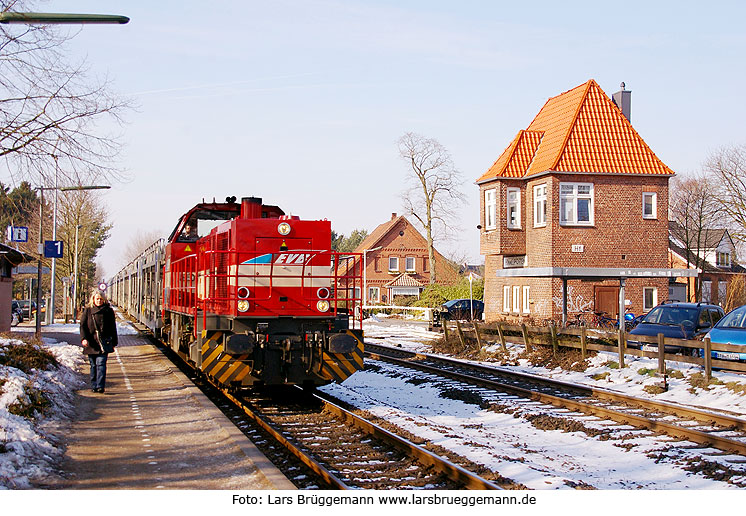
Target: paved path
152,429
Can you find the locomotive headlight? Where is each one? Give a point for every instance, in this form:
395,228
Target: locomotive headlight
323,293
243,292
283,228
322,306
243,305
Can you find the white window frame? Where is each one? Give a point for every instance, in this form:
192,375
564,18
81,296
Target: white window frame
516,299
513,204
719,255
506,298
490,209
396,262
540,205
407,261
653,196
374,294
526,299
573,198
645,307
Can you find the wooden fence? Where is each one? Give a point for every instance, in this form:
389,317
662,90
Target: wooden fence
586,339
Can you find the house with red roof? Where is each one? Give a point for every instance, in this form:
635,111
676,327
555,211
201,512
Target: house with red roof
573,210
396,263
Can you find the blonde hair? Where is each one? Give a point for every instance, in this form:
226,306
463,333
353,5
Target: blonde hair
94,294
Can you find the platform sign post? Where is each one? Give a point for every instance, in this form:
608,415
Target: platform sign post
53,248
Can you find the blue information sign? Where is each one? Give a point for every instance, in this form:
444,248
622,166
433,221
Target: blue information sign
53,248
17,234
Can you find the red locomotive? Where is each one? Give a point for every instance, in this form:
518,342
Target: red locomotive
253,296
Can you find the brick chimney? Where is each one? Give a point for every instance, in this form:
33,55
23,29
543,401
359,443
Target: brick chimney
393,216
623,100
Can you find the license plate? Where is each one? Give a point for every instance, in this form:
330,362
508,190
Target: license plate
726,356
650,348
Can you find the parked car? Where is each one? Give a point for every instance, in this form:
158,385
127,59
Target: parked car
24,303
686,321
458,309
16,313
731,329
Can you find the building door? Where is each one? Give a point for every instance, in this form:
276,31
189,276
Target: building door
607,300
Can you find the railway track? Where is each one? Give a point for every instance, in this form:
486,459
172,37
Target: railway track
714,434
342,449
349,452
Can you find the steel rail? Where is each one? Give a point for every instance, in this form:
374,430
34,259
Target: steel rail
669,408
292,447
697,436
452,471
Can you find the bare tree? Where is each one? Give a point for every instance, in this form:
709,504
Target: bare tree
138,244
728,166
435,193
51,110
695,213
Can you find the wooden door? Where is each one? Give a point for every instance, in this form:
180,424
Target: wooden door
607,300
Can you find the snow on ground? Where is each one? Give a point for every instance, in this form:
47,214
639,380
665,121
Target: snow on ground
538,459
33,447
515,448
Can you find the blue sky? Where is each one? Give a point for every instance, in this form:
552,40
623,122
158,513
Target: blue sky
301,103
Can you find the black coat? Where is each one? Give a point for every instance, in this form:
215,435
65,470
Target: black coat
105,320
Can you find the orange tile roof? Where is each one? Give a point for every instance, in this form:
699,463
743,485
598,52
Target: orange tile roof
580,130
403,280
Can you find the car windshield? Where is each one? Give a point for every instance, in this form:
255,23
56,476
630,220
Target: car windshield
671,315
735,319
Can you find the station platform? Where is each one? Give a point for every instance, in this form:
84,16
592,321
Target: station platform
153,429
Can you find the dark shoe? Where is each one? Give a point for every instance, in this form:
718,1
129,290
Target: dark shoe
101,390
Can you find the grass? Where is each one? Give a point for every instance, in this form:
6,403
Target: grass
35,402
27,357
736,387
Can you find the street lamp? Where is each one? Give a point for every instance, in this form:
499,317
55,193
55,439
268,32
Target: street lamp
75,276
365,273
61,18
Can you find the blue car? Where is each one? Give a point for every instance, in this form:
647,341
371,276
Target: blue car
731,329
685,321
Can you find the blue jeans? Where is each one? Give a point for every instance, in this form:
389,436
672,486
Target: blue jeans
98,370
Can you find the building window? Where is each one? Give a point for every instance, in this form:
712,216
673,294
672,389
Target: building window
526,297
723,259
409,262
506,298
490,209
540,205
373,294
649,205
514,208
516,299
357,293
576,204
649,298
393,264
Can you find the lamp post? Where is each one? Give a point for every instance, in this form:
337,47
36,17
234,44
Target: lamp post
75,276
365,273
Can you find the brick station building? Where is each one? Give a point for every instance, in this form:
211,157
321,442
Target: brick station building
575,211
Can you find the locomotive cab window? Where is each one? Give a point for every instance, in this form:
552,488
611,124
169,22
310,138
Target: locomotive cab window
199,223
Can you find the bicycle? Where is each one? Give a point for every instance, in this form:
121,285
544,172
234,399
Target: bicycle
597,320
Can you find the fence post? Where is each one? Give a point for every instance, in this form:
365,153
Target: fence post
708,359
476,332
525,338
661,354
502,337
583,348
444,322
460,333
555,345
620,341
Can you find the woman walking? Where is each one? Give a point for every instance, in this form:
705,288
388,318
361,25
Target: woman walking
98,334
